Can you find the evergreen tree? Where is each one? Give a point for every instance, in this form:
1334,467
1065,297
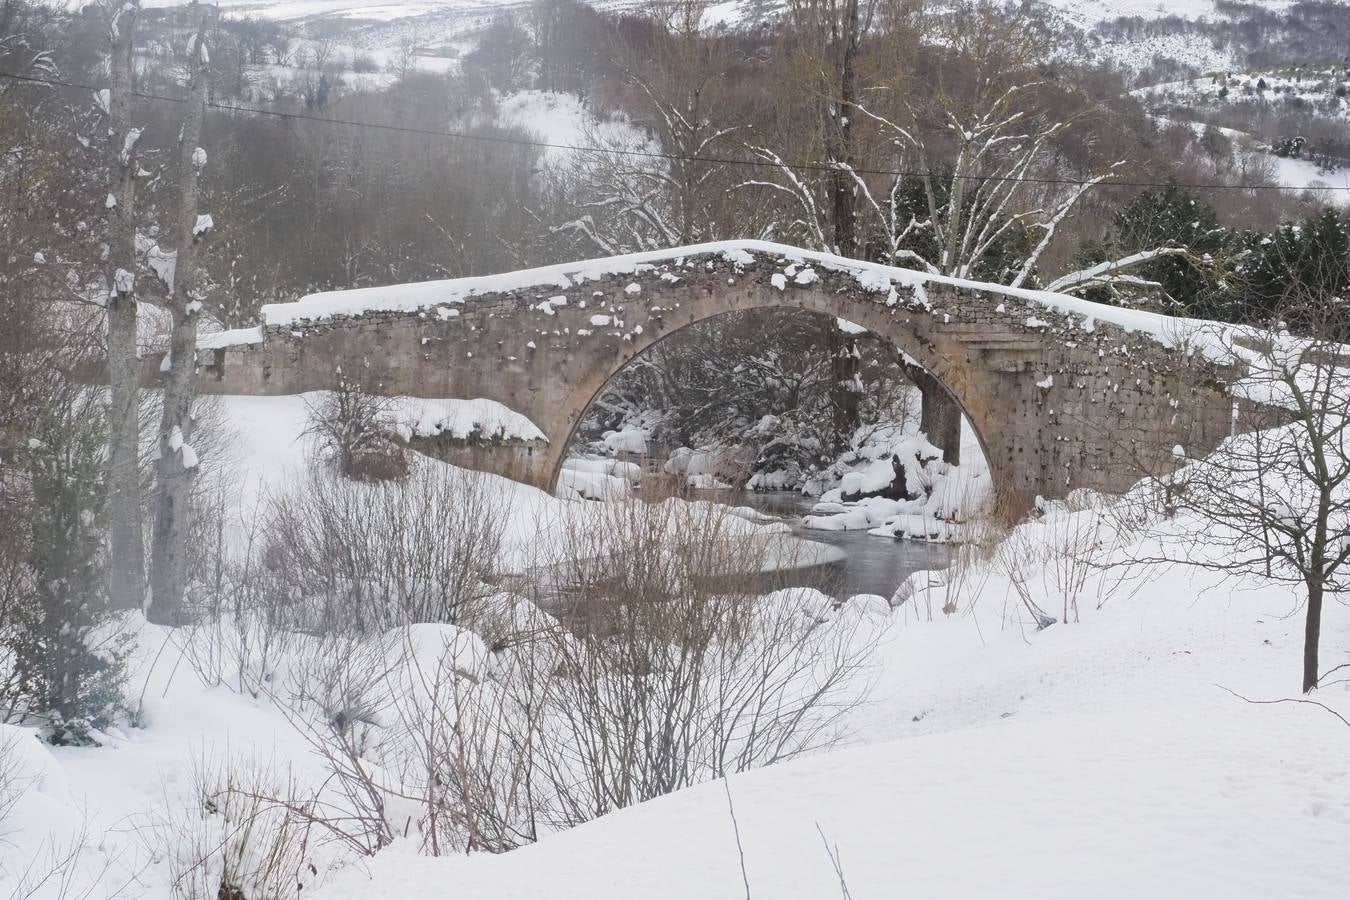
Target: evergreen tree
1166,217
1312,252
69,665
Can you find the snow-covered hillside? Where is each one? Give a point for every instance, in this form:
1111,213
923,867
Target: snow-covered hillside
1090,12
1082,12
377,10
441,16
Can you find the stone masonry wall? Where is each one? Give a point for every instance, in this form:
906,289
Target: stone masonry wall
1058,402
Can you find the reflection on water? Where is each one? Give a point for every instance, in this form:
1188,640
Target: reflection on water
870,565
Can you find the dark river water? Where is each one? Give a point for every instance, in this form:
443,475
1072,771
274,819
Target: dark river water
870,565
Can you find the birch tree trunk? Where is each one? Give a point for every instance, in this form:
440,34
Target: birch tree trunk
177,461
127,565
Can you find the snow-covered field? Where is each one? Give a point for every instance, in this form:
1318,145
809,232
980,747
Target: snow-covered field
563,121
1177,799
1102,756
1312,89
1296,174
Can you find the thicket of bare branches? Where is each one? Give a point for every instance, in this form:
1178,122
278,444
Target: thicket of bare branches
667,666
678,668
365,557
233,835
648,658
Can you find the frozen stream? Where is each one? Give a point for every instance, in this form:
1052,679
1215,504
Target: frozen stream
870,565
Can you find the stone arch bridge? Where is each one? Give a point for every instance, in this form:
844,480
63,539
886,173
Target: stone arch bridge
1062,393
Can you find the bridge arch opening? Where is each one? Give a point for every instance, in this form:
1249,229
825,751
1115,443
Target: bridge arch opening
787,342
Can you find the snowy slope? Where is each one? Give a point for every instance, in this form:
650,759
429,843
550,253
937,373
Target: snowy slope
1104,758
380,10
1083,13
1215,800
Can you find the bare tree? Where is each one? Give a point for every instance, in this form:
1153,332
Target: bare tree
127,570
679,80
830,33
177,459
837,28
405,53
1278,495
980,204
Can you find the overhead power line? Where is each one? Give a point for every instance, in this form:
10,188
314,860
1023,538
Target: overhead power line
657,154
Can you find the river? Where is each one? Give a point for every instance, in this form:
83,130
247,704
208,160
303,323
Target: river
870,565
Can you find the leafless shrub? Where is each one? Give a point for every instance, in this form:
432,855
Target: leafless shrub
365,557
1068,557
649,660
339,691
958,587
246,620
365,64
469,755
62,869
1071,555
356,429
231,839
673,667
13,784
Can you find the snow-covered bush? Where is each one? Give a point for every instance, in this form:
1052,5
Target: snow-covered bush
894,483
1061,556
465,750
356,430
358,556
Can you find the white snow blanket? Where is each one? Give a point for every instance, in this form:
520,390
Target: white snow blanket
485,418
945,497
1103,756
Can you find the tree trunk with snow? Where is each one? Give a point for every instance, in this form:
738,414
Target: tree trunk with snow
846,385
127,566
839,133
177,460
